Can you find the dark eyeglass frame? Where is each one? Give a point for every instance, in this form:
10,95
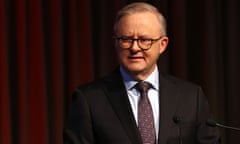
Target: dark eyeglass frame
151,40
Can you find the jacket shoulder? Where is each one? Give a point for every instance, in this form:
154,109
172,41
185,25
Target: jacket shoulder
184,84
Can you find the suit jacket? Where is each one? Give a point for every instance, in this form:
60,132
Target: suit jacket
101,114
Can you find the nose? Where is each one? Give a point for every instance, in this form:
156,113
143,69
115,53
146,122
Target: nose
135,46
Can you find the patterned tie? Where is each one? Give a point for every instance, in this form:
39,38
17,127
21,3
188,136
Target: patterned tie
145,115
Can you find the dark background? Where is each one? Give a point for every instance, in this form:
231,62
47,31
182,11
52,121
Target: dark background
49,47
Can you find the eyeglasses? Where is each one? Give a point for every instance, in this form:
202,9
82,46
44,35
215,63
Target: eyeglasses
143,43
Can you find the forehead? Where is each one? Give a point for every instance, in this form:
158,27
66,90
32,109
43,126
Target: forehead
141,22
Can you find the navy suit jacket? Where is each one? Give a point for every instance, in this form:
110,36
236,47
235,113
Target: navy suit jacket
101,114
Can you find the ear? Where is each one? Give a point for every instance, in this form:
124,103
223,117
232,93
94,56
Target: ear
163,44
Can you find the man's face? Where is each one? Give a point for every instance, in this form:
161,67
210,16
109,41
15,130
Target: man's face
140,25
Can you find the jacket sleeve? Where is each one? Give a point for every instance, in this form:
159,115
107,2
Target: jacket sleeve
205,134
78,129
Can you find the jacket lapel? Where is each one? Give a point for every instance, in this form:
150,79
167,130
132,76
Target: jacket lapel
118,98
168,102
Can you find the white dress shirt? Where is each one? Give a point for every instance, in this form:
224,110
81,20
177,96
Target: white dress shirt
134,95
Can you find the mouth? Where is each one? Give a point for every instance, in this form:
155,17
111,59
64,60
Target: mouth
136,58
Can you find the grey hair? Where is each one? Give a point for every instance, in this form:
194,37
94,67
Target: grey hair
140,7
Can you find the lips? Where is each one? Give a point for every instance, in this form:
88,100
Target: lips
135,58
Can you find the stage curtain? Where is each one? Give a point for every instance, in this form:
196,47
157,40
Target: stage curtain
45,53
50,47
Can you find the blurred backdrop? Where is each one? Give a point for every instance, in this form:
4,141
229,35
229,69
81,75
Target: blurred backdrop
49,47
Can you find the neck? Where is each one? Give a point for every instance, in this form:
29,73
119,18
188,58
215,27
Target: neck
140,76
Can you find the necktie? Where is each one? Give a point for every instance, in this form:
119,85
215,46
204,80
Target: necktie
145,114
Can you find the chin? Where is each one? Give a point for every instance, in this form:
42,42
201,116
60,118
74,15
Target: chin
135,70
134,67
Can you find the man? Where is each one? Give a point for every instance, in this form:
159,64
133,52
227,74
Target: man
110,110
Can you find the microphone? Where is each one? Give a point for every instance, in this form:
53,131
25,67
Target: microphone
212,123
177,120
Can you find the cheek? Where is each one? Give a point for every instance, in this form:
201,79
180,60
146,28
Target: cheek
156,51
159,48
153,55
121,53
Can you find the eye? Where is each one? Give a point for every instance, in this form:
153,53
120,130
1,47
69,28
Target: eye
125,39
145,40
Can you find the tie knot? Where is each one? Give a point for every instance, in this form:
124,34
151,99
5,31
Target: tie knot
143,86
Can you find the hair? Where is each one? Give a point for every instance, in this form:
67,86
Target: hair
140,7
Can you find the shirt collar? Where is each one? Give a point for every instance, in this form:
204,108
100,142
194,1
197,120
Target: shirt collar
130,82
